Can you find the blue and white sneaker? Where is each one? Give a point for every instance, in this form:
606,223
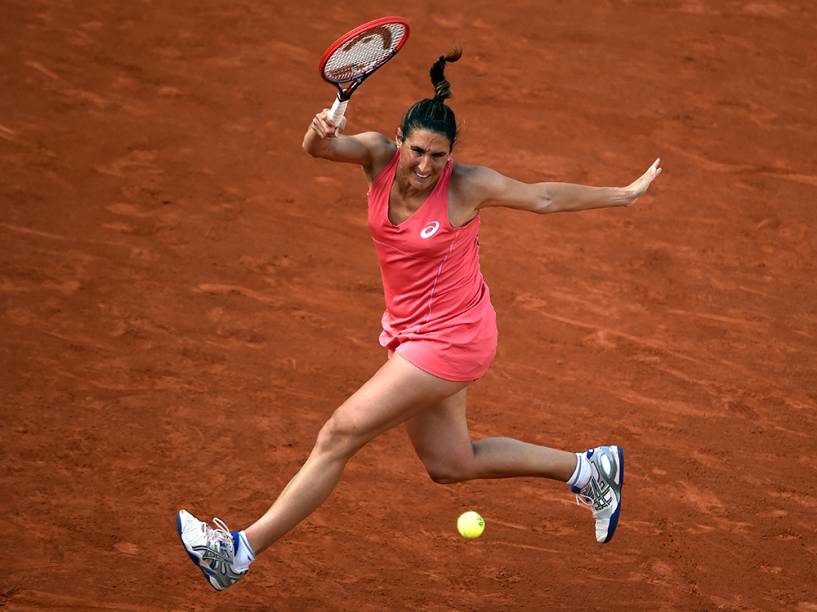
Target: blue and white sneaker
211,550
602,493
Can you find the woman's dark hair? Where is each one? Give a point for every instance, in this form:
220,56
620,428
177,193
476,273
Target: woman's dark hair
433,113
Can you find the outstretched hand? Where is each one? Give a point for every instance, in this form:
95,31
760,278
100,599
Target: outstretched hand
640,185
325,127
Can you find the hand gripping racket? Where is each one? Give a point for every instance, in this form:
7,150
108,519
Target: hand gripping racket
355,56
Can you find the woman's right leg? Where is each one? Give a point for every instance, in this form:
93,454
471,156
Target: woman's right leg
395,393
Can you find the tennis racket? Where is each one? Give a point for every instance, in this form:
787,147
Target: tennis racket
356,55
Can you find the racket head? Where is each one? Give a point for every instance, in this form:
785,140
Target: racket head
361,51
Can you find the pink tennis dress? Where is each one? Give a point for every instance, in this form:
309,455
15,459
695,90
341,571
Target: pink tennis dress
438,314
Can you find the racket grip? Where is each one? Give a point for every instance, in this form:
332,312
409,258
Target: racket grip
338,110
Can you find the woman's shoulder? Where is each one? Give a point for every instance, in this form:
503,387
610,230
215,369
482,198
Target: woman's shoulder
469,172
462,194
374,141
471,179
382,151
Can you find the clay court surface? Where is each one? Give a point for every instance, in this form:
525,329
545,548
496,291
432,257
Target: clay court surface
185,296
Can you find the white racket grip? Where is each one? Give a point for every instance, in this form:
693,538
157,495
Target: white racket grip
338,110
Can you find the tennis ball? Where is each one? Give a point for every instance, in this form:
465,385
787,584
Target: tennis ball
470,524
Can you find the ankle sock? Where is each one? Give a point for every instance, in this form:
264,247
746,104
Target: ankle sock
581,475
244,554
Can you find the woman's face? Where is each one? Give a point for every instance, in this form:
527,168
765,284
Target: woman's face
422,157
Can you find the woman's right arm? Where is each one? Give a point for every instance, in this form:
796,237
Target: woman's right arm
323,139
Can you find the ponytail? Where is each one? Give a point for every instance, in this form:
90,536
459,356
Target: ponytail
433,113
442,88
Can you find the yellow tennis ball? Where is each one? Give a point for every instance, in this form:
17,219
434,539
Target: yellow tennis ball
470,524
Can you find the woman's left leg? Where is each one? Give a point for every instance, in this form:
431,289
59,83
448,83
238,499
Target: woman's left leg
441,439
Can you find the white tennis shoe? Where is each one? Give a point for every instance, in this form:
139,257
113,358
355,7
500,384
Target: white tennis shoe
211,550
602,493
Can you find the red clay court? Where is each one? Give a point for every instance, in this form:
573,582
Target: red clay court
185,296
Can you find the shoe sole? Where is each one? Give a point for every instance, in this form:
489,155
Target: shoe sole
193,557
614,519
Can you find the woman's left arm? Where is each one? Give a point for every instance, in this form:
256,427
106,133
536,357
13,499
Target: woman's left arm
487,188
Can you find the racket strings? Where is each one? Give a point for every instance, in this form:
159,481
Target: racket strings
363,52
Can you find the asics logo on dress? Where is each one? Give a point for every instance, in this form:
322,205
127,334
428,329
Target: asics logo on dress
430,229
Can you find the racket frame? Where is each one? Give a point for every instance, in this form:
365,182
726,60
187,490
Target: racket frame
342,99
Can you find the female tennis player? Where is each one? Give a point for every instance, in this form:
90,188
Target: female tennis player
439,329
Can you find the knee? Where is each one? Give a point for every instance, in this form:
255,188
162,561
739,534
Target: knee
448,474
450,470
338,437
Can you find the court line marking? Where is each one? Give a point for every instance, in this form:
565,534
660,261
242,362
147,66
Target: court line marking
32,232
7,133
714,317
643,341
661,347
43,70
529,547
730,168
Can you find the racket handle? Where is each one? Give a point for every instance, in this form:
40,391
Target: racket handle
338,109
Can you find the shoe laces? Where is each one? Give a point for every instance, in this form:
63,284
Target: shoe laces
590,495
220,534
584,500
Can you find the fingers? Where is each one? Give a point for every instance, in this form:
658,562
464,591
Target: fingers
325,126
639,186
652,172
321,125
